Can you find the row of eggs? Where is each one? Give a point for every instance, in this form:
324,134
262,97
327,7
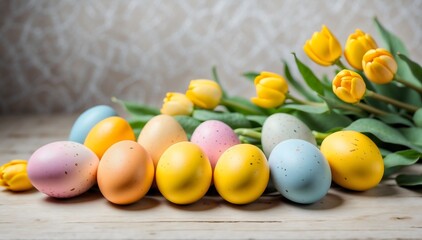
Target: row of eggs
103,149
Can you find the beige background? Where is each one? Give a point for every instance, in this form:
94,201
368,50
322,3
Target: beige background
64,56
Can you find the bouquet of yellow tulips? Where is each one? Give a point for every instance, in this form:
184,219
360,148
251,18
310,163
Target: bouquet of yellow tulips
379,94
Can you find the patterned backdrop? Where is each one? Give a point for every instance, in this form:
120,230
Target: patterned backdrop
64,56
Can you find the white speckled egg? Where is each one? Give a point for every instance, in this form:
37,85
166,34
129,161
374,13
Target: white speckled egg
281,126
299,171
214,137
63,169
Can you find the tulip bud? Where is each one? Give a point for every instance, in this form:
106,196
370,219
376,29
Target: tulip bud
349,86
204,93
176,104
13,176
323,48
357,44
271,90
379,66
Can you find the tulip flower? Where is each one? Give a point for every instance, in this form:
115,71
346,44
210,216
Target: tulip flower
349,86
357,44
176,104
204,93
271,90
323,48
13,176
379,66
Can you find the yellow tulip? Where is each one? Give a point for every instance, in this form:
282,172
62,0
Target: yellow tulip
13,176
204,93
349,86
176,104
379,66
271,90
357,44
323,48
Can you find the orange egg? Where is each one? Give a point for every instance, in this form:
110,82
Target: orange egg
159,133
125,172
107,132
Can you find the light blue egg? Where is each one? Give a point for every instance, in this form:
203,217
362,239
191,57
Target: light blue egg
87,120
299,171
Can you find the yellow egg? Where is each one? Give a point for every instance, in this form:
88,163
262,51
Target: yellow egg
125,172
241,174
107,132
183,173
159,133
356,162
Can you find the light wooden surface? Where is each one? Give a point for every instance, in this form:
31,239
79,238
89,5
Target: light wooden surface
386,212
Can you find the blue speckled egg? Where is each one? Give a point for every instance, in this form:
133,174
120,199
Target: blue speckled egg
299,171
87,120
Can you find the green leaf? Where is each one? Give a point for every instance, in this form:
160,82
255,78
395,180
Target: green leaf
413,134
382,131
306,108
407,180
395,46
257,119
297,85
234,120
401,158
334,103
313,82
251,75
136,108
393,162
415,68
188,123
241,105
395,119
323,122
217,80
139,121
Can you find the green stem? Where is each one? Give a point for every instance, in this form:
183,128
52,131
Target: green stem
340,64
408,107
235,104
248,132
408,84
370,109
319,136
303,102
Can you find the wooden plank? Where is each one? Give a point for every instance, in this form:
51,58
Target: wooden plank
385,212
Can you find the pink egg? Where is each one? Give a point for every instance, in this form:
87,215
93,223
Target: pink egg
63,169
214,137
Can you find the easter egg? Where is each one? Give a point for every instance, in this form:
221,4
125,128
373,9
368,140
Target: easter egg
108,132
282,126
63,169
125,172
355,160
159,133
241,174
214,137
87,120
299,171
183,173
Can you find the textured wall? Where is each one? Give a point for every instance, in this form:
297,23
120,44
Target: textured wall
64,56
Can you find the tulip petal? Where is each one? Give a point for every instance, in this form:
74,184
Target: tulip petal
20,182
264,92
309,51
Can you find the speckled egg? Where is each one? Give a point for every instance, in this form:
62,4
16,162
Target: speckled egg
281,126
87,120
159,133
63,169
241,174
125,172
299,171
214,137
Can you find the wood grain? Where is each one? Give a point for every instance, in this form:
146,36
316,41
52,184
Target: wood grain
385,212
